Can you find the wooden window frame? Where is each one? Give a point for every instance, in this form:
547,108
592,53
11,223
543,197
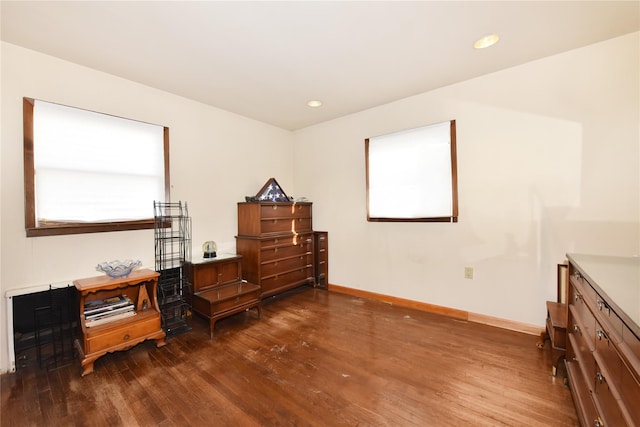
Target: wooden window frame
454,187
55,228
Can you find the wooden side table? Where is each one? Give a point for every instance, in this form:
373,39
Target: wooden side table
226,300
556,333
556,322
218,289
96,341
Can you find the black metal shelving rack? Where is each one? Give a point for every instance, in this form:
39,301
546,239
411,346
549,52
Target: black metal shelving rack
172,233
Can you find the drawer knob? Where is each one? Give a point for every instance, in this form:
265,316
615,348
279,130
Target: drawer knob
600,305
600,377
576,328
274,207
597,423
578,297
601,335
126,337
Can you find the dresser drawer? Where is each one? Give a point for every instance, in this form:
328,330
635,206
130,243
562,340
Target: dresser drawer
286,279
606,398
322,241
630,349
580,352
586,409
286,264
607,352
282,252
122,334
633,343
286,240
284,225
630,395
285,210
609,319
583,288
582,317
260,218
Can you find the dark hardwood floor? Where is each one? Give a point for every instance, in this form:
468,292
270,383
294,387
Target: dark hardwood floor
315,358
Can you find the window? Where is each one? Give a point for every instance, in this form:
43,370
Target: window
411,175
87,172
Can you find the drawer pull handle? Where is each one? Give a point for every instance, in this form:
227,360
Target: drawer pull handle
275,221
600,305
578,297
126,337
600,377
576,328
597,423
274,207
601,335
237,299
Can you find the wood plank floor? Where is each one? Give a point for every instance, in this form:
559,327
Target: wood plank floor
316,358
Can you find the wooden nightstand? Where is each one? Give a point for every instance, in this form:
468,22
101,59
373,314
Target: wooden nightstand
96,341
556,322
218,288
556,332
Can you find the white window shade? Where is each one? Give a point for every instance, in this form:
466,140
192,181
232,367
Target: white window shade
92,167
410,174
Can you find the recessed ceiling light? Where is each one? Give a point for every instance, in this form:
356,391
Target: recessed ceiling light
486,41
314,103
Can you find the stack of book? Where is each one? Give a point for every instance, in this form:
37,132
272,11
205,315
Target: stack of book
106,310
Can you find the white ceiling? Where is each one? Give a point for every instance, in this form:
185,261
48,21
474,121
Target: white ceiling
264,60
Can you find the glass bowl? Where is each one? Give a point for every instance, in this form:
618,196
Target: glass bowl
118,268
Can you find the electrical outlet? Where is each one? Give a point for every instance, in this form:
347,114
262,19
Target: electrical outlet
468,272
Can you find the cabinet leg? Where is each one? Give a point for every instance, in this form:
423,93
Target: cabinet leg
87,366
559,367
544,336
212,326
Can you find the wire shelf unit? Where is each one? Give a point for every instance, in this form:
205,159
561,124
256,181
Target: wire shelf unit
172,235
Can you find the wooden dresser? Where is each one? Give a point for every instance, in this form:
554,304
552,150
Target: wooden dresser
321,258
603,349
218,288
275,240
140,287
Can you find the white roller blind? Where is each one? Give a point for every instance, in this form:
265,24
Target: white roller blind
92,167
410,173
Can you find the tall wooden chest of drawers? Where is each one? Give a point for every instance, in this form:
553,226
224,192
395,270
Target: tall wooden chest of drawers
603,350
321,258
275,240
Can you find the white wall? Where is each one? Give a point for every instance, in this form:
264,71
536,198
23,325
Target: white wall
548,161
216,159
